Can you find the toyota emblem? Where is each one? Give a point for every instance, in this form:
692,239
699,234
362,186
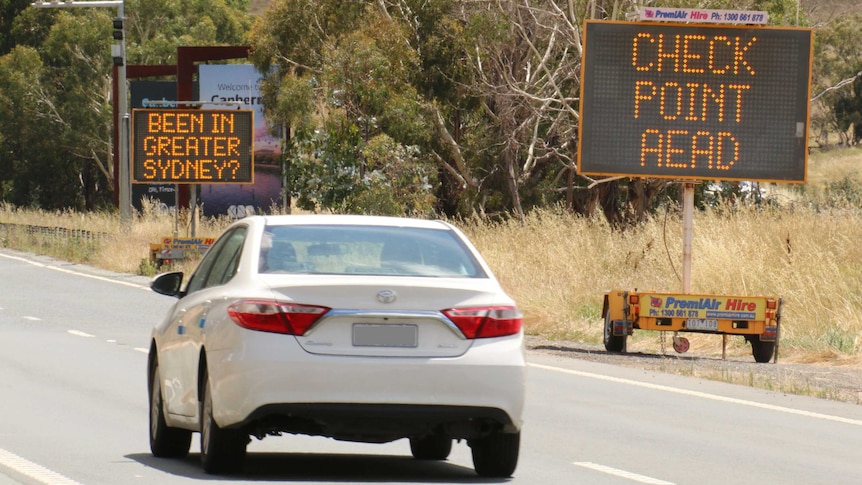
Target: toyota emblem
386,296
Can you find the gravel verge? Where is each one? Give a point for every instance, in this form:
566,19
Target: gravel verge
821,381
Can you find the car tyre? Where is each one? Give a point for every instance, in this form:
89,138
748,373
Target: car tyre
496,455
613,343
222,450
165,441
431,447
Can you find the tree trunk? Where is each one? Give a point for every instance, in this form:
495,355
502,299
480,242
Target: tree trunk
512,183
448,196
88,180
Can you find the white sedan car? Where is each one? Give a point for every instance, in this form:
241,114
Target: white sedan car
358,328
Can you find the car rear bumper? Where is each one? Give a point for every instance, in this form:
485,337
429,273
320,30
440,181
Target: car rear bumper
273,385
376,423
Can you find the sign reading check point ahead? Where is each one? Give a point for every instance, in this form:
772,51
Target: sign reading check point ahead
193,146
688,101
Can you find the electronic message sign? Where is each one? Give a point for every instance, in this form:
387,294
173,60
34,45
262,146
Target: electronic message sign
701,102
193,146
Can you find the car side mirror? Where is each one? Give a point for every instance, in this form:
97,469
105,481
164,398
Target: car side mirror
168,283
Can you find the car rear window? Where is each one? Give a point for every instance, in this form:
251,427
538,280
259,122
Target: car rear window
366,250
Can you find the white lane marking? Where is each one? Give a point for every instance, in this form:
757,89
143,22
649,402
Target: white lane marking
142,350
32,470
23,466
622,473
77,273
32,319
79,333
714,397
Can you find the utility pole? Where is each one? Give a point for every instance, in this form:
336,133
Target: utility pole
118,53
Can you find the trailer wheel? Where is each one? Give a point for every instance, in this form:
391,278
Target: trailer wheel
613,343
762,351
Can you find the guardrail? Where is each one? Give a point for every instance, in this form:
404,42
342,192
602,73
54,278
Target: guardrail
55,233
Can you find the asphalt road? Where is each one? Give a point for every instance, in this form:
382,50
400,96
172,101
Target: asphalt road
73,410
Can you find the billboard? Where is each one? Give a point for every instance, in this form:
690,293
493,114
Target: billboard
688,101
142,94
239,84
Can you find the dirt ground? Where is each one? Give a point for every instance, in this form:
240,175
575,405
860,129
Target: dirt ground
839,383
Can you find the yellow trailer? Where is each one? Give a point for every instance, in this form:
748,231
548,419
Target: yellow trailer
756,318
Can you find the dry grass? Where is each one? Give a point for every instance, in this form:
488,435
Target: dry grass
558,266
805,249
122,247
835,165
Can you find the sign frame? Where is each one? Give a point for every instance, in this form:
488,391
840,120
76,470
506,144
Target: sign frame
673,113
186,146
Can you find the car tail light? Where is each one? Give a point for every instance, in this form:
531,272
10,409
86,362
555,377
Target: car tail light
274,316
485,322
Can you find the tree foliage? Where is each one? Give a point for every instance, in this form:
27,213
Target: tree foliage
391,106
485,93
55,89
848,111
474,89
20,76
157,27
836,83
57,95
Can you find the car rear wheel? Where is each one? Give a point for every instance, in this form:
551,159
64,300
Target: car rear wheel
431,447
222,450
496,455
165,442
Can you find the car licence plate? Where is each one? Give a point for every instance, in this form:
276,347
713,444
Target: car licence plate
700,324
385,335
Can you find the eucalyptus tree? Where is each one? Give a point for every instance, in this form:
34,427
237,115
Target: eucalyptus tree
340,76
56,93
525,64
837,83
9,10
155,28
56,79
21,131
349,73
392,105
485,91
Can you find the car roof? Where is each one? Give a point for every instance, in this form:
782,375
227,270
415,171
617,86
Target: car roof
349,219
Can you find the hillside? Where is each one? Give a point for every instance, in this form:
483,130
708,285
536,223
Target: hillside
821,11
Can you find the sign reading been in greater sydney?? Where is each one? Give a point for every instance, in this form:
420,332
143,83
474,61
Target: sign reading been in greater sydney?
695,102
193,146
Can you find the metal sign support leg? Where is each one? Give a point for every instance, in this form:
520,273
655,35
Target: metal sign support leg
687,224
